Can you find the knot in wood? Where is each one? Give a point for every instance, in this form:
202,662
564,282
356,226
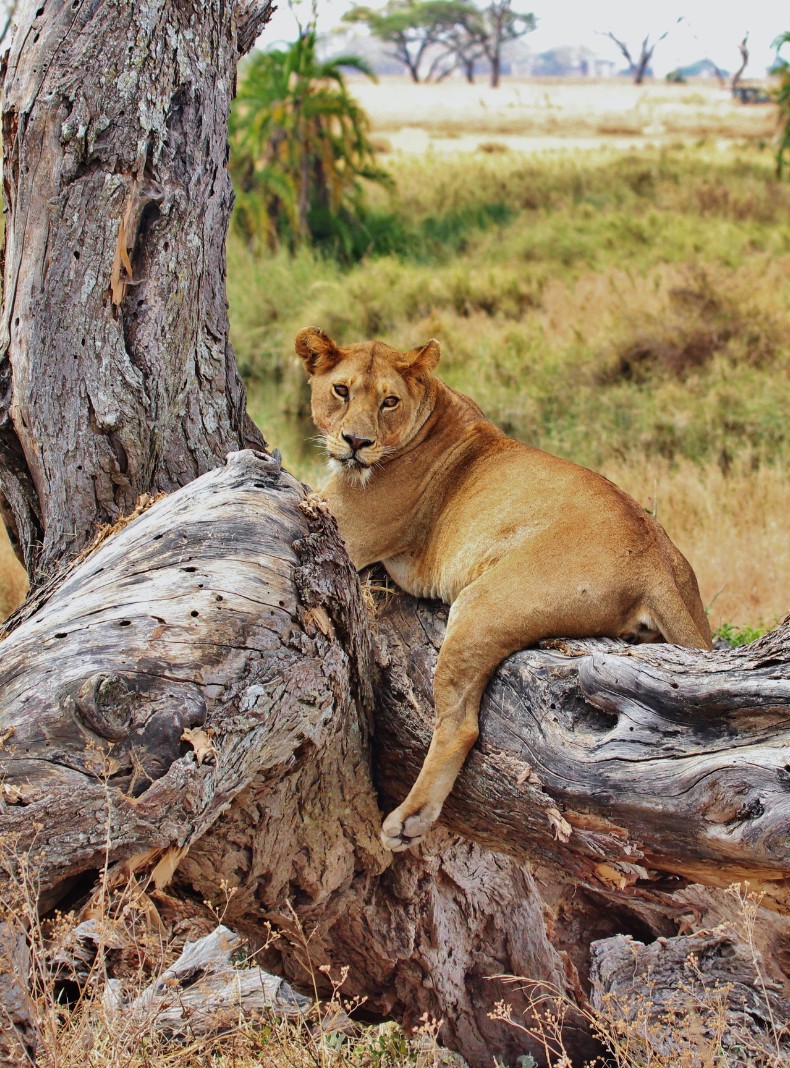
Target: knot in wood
104,704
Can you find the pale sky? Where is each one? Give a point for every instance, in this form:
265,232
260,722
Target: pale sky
710,27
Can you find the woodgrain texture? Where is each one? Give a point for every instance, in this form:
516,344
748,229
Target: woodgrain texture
680,993
196,700
626,765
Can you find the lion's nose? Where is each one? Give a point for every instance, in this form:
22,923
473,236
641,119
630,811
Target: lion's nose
355,442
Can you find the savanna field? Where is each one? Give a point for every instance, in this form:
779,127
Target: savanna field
623,303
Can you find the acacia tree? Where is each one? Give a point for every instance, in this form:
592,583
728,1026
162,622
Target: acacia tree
446,34
416,32
492,28
615,791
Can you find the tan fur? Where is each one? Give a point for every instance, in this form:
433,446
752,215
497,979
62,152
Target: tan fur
523,545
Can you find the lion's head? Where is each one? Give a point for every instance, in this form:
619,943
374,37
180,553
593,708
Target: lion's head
368,400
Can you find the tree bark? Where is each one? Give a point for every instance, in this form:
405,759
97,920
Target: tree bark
117,204
709,986
672,762
743,48
197,698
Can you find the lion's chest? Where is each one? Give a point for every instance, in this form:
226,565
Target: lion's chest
408,570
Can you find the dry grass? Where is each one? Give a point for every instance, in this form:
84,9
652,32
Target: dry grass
13,579
626,310
83,992
732,527
693,1020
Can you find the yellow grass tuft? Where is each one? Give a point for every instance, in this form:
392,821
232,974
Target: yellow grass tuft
731,527
13,578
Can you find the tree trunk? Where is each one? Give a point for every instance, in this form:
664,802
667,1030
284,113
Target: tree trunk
642,766
117,205
743,48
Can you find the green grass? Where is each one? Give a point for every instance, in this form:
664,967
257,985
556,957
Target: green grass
644,293
736,635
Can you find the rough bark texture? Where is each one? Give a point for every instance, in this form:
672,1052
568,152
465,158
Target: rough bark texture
195,700
117,203
204,992
681,993
652,765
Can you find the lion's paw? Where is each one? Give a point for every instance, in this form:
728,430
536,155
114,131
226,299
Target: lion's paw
400,831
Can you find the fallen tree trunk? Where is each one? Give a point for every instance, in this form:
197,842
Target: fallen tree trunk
624,765
196,698
204,992
196,702
680,995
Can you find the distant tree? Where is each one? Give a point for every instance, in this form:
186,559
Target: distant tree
492,27
743,48
416,32
299,147
638,67
462,37
445,34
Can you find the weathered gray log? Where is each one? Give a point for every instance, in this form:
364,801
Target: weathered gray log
628,766
201,993
18,1015
689,999
226,624
117,200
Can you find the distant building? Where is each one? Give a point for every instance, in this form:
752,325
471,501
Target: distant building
568,61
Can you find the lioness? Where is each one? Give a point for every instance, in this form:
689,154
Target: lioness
521,544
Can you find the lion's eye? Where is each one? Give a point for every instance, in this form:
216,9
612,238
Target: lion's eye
340,391
390,402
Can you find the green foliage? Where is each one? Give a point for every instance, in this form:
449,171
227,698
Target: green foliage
782,69
300,151
737,636
418,32
433,37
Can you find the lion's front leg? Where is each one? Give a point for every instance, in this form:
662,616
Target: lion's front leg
452,740
470,654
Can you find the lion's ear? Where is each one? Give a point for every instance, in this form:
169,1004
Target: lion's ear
317,350
422,360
